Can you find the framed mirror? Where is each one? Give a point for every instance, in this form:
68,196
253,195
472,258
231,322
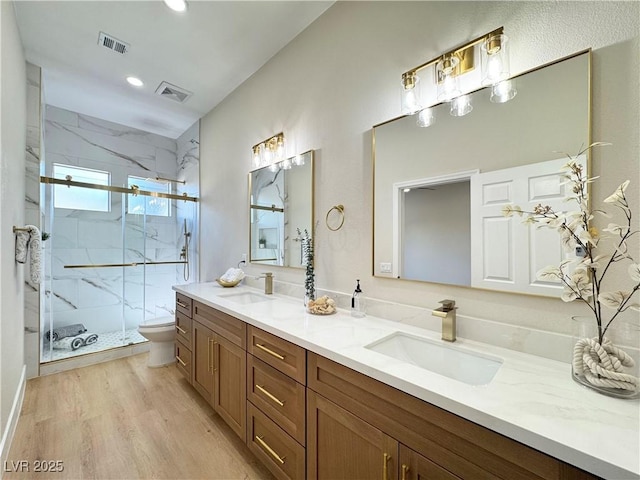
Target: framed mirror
280,203
438,191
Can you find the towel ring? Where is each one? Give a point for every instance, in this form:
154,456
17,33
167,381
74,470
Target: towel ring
340,210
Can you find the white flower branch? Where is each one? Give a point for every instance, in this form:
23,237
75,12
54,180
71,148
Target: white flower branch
575,229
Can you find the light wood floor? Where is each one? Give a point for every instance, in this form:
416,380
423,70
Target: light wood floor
122,420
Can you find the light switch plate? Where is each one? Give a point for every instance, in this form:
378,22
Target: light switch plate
385,268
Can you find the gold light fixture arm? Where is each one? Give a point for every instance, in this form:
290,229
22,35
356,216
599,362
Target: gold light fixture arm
461,53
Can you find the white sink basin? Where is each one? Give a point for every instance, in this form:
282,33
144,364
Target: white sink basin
448,360
245,298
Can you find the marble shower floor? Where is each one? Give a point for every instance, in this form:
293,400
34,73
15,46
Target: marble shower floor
106,341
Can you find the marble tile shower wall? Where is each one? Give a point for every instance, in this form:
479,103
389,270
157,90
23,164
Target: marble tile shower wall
189,171
100,297
33,216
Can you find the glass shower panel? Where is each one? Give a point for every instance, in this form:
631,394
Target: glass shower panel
94,283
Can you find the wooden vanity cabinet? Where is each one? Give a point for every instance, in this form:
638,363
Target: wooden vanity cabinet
307,417
219,364
343,446
414,466
202,339
276,403
183,351
229,392
459,448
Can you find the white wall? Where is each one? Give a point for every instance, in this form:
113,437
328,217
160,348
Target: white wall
13,105
436,234
341,76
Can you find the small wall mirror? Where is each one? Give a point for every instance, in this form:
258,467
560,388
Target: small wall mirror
280,203
439,191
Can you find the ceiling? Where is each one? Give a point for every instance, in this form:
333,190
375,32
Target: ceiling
208,50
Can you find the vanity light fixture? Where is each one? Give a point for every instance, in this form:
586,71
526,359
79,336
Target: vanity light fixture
410,93
448,68
461,106
426,117
503,91
269,151
495,59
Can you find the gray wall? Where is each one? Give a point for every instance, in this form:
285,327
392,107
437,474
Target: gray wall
341,76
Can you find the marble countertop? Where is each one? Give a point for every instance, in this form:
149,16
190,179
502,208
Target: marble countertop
531,399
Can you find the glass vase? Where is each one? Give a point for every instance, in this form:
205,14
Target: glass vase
607,364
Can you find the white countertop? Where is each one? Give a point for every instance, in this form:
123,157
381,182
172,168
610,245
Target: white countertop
531,399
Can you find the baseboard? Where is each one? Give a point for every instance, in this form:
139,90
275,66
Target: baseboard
14,415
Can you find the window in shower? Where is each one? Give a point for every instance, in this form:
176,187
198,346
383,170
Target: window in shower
81,198
138,204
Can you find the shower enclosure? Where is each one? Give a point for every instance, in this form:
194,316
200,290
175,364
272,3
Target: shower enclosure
115,201
112,258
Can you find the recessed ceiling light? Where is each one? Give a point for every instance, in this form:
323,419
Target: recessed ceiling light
135,81
176,5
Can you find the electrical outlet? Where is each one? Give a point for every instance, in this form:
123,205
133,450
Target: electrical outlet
244,257
385,268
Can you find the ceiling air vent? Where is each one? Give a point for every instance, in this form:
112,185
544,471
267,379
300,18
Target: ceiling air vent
172,92
113,43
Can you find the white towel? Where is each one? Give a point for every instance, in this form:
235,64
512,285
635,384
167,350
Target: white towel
232,275
22,246
31,242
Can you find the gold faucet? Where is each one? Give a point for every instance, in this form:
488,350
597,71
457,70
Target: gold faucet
268,282
448,314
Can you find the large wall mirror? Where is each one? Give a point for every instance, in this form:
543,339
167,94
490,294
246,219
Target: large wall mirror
439,191
280,203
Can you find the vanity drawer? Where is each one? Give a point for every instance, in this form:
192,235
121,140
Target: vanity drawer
183,304
282,455
183,359
229,327
183,329
277,395
282,355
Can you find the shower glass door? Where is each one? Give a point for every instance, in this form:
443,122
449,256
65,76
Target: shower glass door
113,256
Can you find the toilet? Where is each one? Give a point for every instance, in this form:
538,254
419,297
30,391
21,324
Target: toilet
161,333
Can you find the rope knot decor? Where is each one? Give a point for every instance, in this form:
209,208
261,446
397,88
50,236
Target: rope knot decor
602,364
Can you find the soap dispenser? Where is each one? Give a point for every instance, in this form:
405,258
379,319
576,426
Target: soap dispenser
357,302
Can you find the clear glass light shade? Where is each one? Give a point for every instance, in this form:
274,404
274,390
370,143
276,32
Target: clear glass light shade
256,157
495,59
267,155
410,95
280,149
286,164
461,106
274,167
503,92
426,117
298,160
448,85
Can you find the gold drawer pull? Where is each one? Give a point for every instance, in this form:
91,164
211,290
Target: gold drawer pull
270,352
270,395
180,304
270,450
181,330
180,361
385,475
405,470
